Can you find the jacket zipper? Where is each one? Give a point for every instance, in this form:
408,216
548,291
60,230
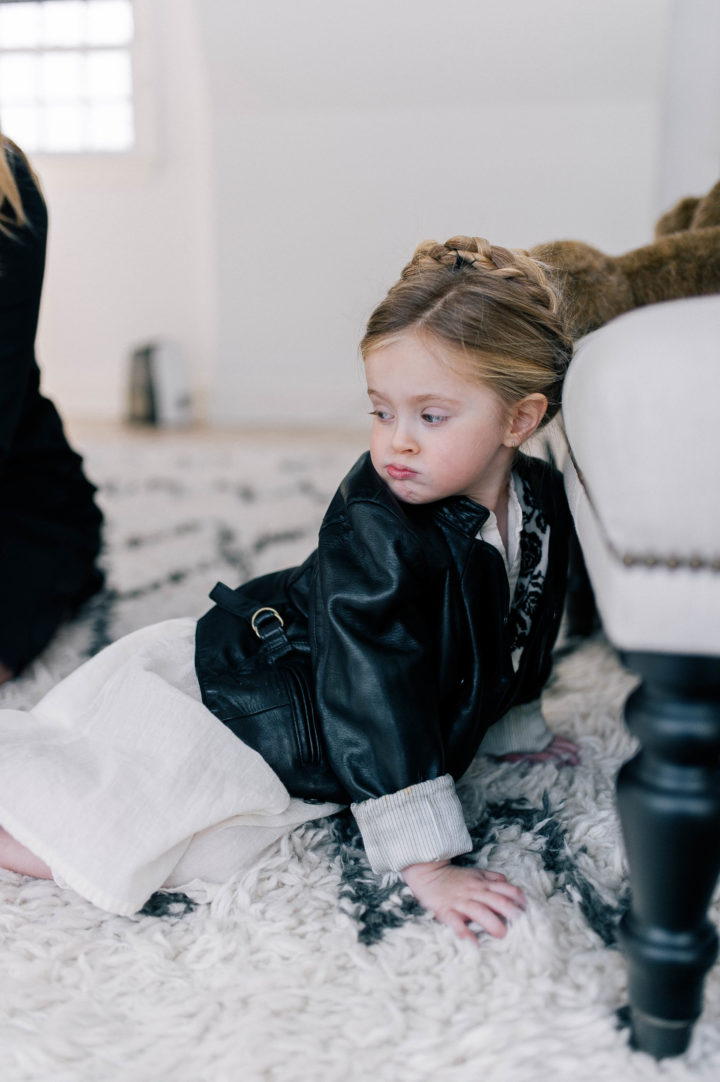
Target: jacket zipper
306,724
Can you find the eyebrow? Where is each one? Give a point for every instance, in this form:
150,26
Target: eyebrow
430,396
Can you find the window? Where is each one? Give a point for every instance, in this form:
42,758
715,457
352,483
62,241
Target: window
66,80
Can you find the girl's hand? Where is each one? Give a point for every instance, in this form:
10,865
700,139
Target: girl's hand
561,751
461,896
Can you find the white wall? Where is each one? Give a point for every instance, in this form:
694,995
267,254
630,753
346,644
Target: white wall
690,144
346,133
303,149
131,249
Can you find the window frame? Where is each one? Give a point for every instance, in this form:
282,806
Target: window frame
88,162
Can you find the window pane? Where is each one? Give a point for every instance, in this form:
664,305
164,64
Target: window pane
66,79
62,76
19,78
64,24
109,74
64,127
19,25
110,22
111,127
20,122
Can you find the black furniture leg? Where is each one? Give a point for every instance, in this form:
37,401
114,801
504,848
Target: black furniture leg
669,804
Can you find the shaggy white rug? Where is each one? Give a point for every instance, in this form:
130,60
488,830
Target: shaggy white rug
311,968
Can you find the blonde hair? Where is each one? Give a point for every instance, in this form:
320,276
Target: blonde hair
11,208
495,305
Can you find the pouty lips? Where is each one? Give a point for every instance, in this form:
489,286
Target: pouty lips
401,473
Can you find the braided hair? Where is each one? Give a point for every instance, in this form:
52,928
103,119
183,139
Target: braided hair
492,305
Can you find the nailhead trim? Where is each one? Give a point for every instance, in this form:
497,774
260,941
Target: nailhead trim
673,563
649,559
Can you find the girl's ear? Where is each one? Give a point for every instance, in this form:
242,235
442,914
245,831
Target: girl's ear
525,416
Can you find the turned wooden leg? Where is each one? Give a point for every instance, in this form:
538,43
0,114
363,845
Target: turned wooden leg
669,804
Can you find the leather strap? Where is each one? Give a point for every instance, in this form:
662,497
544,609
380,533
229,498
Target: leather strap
266,622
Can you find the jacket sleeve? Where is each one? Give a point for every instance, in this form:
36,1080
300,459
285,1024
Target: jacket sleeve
374,634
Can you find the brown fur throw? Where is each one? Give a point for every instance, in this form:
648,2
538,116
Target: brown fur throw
683,261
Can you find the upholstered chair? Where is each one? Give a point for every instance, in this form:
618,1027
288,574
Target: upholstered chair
641,411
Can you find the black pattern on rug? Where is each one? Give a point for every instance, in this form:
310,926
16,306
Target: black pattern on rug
226,551
558,860
167,903
378,906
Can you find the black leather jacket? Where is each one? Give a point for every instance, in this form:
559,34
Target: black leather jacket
394,658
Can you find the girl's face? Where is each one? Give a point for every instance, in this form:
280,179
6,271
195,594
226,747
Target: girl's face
436,432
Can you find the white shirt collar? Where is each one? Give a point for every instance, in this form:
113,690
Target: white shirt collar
490,533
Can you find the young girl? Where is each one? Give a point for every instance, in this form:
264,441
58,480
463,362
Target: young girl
419,632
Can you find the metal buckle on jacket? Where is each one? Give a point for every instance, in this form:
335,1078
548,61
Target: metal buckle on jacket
257,624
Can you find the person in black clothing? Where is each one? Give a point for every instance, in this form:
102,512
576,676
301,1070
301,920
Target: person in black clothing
49,523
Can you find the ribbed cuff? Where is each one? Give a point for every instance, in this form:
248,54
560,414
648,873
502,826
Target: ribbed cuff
523,728
414,825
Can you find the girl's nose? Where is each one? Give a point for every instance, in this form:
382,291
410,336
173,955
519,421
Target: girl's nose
403,439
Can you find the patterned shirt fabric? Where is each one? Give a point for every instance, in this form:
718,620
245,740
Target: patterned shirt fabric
523,728
525,559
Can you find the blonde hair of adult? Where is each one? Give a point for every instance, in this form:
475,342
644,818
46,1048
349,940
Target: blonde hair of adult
11,208
494,306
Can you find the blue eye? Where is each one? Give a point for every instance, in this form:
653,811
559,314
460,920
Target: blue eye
434,418
382,415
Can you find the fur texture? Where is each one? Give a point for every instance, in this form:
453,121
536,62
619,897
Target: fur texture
682,261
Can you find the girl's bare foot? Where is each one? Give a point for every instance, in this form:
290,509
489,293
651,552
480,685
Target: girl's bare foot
16,858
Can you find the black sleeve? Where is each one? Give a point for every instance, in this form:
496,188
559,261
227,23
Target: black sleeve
22,264
374,642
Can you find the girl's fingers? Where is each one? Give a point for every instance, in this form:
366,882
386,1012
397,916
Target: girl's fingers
565,742
459,896
492,914
489,883
513,894
505,907
494,922
563,755
567,748
459,926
